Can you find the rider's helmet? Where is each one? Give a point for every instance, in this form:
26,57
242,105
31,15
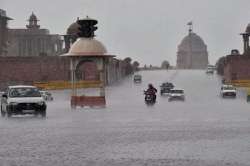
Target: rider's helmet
150,86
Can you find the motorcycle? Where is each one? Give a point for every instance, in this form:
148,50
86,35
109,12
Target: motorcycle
150,98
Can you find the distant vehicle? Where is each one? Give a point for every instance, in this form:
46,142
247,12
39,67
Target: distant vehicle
1,93
47,96
248,96
137,78
22,100
176,94
228,91
210,69
166,87
149,98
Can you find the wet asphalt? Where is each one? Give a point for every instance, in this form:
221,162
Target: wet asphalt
205,130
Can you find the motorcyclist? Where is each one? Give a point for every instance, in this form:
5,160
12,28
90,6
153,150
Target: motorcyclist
151,90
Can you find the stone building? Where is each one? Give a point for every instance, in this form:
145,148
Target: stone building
33,41
44,69
71,35
237,66
3,32
192,52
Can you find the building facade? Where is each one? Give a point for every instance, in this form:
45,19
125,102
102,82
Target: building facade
33,41
3,32
46,69
237,66
192,52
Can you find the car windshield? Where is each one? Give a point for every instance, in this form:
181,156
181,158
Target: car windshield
229,88
177,91
137,76
24,92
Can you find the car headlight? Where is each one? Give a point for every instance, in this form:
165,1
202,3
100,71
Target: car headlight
41,103
13,103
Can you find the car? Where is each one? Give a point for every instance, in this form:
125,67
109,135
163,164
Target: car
22,99
47,96
166,87
248,96
137,78
1,93
228,91
210,69
176,94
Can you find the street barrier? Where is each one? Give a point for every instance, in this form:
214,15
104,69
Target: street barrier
91,101
241,83
60,85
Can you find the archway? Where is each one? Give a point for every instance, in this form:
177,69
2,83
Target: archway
86,70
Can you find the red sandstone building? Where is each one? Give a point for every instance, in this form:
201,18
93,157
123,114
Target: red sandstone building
237,66
27,67
33,40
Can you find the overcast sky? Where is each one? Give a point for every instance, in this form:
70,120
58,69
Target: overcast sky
146,30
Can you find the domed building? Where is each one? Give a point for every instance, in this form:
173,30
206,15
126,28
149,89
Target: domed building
192,52
71,35
33,40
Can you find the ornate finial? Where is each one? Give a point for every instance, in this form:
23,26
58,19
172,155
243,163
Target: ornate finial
87,27
190,24
33,22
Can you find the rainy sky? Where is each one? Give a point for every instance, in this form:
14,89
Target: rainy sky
148,31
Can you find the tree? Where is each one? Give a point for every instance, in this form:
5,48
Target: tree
220,64
136,65
128,66
128,60
165,65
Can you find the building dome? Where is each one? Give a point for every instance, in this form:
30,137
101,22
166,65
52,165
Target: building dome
73,29
87,47
192,53
192,41
248,28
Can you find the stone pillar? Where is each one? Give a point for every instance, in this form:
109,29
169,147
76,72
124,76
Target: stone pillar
67,42
73,76
245,41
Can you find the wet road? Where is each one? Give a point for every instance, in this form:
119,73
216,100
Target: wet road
204,130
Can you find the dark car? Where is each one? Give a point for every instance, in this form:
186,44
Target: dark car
166,87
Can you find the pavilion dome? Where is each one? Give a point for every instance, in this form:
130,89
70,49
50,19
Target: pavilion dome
73,29
194,42
33,17
87,47
248,28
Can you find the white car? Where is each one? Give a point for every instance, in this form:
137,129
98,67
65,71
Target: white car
210,71
22,99
176,94
228,91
